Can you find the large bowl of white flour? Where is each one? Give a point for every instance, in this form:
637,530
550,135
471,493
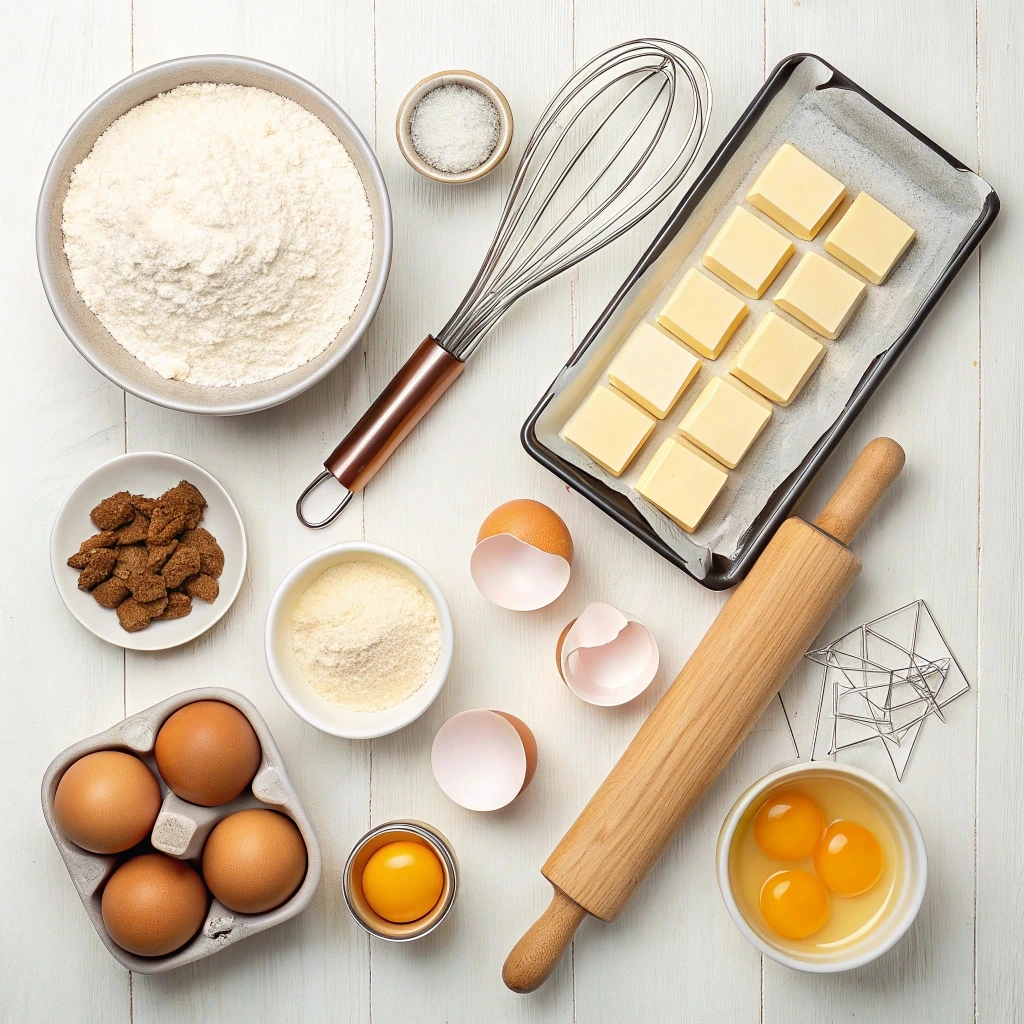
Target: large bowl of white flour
214,234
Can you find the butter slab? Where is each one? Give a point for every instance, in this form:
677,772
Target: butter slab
725,420
796,193
702,313
681,481
747,253
870,239
609,428
777,360
653,370
821,295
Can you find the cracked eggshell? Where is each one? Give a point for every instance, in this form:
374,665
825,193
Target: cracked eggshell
483,759
605,657
522,556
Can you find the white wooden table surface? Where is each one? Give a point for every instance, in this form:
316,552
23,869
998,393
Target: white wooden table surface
948,533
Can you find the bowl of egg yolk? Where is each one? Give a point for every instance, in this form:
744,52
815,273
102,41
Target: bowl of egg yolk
400,880
821,866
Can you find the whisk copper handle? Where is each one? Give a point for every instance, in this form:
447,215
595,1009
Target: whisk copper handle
426,375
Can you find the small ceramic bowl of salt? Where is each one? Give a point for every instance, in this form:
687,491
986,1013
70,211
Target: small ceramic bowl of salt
454,126
358,640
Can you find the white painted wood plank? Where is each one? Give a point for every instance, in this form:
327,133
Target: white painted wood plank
1000,905
922,542
59,420
673,951
313,966
463,460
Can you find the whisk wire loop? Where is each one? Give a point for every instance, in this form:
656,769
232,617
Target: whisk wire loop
559,211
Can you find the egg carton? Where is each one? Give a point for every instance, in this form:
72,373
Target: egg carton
181,830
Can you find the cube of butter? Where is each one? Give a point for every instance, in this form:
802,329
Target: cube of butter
796,193
747,253
702,313
725,420
653,370
682,481
610,429
778,359
821,295
870,239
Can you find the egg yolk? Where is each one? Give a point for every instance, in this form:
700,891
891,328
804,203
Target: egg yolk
849,858
793,903
402,881
788,825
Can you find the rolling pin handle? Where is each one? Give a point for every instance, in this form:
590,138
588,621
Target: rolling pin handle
860,491
537,953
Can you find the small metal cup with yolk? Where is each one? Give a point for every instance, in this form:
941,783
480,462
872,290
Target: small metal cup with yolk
400,880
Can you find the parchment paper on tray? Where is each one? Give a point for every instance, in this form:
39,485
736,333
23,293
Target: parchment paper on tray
868,150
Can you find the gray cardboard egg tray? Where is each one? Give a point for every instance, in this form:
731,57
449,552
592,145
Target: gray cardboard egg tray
181,829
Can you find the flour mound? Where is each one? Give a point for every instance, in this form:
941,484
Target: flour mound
365,636
220,233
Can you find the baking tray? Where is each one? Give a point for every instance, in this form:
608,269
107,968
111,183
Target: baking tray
181,829
866,146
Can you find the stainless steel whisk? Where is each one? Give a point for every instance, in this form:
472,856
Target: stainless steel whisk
614,142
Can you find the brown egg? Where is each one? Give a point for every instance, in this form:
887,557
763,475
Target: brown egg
207,752
531,522
107,801
254,860
153,904
523,556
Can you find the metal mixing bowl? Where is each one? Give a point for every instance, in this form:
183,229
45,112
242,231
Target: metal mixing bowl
82,327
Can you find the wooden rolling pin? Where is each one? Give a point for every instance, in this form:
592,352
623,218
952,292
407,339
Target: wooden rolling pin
748,653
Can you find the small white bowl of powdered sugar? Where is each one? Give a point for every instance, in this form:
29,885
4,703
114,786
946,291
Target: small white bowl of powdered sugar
359,640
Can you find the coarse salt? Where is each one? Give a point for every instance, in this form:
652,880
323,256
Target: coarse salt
454,128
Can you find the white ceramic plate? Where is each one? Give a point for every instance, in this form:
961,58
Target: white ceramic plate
149,473
287,675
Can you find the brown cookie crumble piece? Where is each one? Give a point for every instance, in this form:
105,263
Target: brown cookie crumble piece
184,493
135,532
112,512
167,522
132,615
101,565
183,563
158,554
110,593
178,606
211,554
146,586
155,608
143,504
131,559
206,588
106,539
